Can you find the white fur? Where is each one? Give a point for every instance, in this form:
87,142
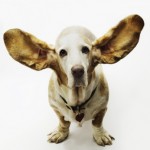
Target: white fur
72,39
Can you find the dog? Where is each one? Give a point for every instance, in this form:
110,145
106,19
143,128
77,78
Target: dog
78,90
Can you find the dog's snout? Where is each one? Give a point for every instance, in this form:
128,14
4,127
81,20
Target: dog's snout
77,71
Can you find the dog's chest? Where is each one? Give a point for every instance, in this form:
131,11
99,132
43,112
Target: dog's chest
90,102
84,113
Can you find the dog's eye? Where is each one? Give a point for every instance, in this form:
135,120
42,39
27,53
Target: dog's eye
63,53
85,50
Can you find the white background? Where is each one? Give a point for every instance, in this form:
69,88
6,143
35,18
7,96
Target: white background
25,115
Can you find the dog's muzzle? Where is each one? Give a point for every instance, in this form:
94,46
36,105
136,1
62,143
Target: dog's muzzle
78,74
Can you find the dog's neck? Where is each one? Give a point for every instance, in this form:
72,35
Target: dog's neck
77,95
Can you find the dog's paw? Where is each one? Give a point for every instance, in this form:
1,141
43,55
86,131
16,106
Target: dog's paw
57,136
102,137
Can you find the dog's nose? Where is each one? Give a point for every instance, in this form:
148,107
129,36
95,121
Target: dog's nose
77,71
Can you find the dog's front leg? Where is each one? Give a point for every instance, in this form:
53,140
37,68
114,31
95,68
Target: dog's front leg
101,136
62,131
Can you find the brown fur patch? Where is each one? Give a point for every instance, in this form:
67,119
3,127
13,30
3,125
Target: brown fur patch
94,59
103,86
97,122
61,76
93,56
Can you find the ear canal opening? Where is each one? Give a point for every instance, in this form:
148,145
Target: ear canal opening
42,53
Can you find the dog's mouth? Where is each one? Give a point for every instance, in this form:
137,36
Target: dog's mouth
79,82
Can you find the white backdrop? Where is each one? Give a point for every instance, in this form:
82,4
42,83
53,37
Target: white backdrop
25,115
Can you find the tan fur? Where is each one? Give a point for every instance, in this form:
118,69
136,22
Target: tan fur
62,131
120,40
110,48
28,50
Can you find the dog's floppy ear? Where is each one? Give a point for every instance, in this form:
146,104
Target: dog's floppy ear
28,50
119,41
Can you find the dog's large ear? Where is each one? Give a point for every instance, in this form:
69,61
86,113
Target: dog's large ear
28,50
119,41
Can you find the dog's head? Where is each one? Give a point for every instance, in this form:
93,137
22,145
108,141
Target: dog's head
76,52
74,46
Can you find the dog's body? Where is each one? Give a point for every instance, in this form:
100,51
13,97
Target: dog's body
97,102
78,95
78,90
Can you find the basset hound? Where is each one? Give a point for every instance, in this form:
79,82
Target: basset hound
78,90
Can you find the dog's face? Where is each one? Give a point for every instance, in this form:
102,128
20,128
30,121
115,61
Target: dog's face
73,51
75,56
